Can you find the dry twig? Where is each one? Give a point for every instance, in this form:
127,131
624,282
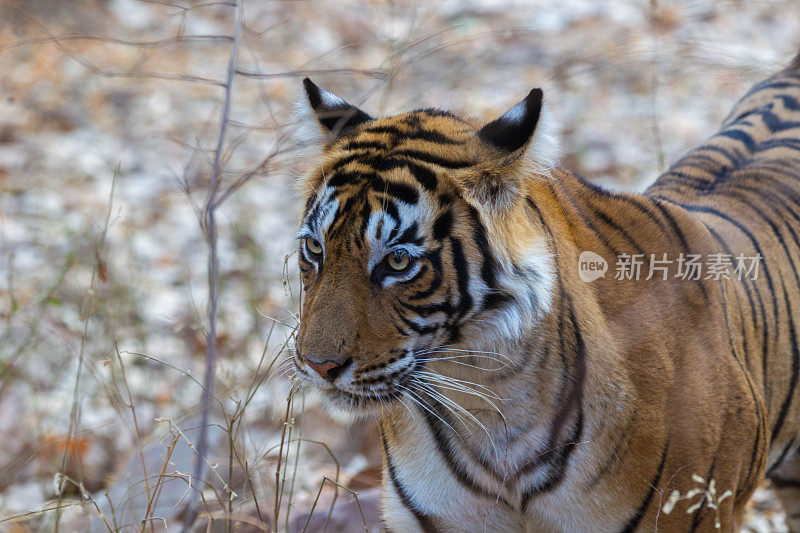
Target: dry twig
209,225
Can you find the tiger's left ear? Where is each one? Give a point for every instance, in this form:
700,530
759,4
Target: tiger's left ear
515,129
507,149
334,115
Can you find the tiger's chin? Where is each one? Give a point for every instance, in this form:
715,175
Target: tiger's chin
346,406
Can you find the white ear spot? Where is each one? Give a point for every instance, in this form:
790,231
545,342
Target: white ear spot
306,131
544,151
330,100
515,114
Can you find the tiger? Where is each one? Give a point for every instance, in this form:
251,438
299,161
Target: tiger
441,261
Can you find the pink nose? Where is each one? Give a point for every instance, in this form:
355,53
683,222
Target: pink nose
328,370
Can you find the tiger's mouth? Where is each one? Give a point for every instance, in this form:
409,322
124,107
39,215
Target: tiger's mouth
359,393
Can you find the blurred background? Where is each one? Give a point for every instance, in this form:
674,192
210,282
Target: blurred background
109,120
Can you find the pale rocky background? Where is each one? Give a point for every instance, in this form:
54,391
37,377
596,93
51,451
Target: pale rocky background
632,83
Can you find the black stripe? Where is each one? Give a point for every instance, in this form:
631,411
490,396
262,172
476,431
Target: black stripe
443,225
339,163
773,227
309,203
413,134
752,470
619,229
746,286
489,266
410,235
634,521
341,178
789,102
768,84
462,278
496,300
433,112
427,310
424,522
792,329
425,176
774,122
681,237
781,457
738,135
558,465
413,326
365,145
422,271
760,427
588,223
435,259
433,159
616,455
400,191
449,455
391,130
640,205
795,372
432,136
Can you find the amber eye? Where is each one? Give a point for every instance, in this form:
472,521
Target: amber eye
313,246
398,260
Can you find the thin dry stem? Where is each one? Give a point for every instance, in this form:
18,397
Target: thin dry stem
210,229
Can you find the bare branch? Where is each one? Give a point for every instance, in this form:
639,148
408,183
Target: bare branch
86,316
106,73
52,39
210,229
373,73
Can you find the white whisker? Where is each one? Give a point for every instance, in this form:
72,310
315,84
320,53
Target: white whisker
414,397
455,362
460,350
452,406
460,382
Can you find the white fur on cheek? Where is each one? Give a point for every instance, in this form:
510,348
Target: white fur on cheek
531,284
539,261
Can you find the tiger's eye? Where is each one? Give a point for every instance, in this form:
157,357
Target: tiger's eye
398,261
313,246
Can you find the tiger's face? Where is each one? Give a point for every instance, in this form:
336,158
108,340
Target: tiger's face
401,264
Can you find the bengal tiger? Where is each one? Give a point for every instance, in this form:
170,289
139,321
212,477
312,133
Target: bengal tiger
441,262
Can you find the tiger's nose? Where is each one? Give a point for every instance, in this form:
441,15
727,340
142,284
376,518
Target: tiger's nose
328,369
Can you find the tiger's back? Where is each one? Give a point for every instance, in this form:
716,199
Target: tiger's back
743,184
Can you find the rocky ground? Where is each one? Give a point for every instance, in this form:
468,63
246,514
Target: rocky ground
109,114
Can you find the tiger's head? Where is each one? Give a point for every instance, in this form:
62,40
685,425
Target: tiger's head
415,245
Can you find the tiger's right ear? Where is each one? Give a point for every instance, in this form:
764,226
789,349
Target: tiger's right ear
334,116
515,129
